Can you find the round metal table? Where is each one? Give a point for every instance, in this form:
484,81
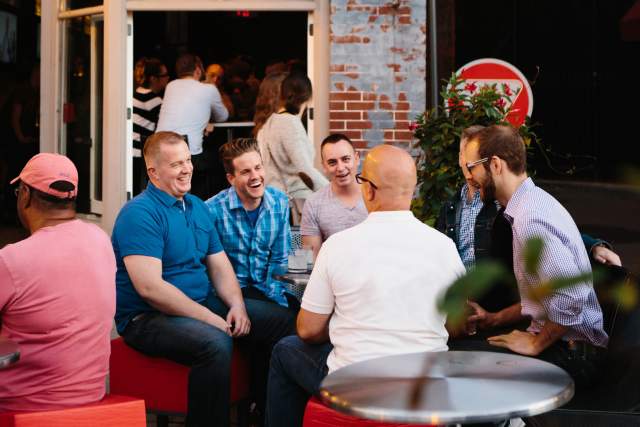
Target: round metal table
447,387
295,283
9,353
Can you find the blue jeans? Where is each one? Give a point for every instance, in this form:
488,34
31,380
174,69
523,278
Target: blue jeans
296,371
207,350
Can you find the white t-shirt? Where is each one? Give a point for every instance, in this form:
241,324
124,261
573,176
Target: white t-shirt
186,108
381,280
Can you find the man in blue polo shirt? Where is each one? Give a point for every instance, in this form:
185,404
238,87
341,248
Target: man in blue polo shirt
253,224
168,256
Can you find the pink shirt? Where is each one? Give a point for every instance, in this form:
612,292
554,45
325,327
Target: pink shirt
57,301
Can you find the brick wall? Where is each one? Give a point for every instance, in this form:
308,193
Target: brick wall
378,69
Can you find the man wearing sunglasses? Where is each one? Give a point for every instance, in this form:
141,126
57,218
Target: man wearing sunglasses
566,326
372,292
481,234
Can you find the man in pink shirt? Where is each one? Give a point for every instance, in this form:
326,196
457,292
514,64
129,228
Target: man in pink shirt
57,295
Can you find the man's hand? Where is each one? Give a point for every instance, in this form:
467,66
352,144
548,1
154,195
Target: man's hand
605,256
480,317
218,322
238,317
517,341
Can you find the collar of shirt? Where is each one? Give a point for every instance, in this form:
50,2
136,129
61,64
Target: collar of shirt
514,205
167,199
236,203
475,201
384,216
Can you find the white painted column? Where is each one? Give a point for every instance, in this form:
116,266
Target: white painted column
49,77
114,110
322,81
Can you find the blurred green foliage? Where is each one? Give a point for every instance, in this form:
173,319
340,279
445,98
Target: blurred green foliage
478,280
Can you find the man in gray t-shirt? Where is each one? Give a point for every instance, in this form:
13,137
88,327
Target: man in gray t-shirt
338,205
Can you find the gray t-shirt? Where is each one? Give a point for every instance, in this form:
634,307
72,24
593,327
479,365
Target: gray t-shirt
324,214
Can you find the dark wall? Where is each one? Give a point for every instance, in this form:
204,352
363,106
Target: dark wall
26,42
219,36
582,75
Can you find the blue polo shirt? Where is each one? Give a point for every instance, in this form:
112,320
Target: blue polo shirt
180,234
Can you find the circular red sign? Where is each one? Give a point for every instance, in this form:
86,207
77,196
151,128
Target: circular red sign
488,71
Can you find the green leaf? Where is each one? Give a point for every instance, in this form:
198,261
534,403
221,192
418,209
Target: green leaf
471,286
532,252
545,289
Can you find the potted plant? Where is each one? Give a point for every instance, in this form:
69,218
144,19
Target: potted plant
438,131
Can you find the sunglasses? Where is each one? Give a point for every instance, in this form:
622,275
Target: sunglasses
360,179
471,165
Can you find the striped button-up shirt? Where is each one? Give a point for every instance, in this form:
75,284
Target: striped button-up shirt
256,252
533,212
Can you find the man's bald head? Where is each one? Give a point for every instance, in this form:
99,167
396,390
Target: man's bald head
393,173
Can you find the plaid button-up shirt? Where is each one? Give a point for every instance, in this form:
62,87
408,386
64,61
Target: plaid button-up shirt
533,212
466,231
256,252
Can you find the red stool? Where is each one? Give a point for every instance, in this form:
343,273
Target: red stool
163,383
111,411
318,415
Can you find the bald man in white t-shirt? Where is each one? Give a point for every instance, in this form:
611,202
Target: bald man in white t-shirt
372,293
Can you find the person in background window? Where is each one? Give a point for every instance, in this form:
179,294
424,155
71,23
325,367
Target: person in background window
268,99
150,79
187,108
288,151
242,86
215,75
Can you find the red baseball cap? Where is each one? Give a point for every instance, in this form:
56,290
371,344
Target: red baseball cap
51,173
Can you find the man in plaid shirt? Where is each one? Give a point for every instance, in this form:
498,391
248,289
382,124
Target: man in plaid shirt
253,224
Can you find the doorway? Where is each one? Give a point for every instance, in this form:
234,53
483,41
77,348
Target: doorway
244,44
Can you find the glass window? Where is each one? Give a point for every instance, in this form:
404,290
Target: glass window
82,118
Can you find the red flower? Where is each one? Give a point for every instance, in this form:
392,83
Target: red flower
507,90
471,87
413,126
500,103
455,104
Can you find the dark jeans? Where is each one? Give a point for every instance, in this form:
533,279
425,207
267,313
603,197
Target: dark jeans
582,366
296,371
207,350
